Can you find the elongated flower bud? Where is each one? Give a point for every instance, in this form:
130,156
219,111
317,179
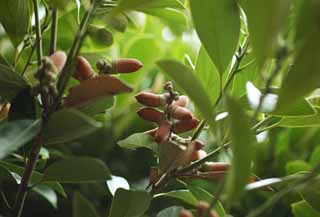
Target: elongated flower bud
151,114
182,101
198,145
151,99
185,125
84,70
185,213
180,113
216,166
126,65
4,111
163,132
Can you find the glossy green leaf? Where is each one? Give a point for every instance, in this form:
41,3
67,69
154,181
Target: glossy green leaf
77,170
207,74
17,133
82,207
67,125
117,182
303,209
298,122
138,140
311,194
265,21
129,203
99,37
15,16
218,26
242,148
5,175
305,68
10,83
97,106
173,211
296,166
188,81
184,195
47,193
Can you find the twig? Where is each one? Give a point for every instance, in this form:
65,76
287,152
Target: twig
38,32
54,31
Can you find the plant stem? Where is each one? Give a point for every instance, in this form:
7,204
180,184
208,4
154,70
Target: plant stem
54,31
38,32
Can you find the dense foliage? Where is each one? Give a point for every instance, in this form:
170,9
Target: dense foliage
127,108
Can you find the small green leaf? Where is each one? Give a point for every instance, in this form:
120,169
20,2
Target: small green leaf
5,175
188,81
296,166
97,106
242,147
47,193
117,182
129,203
138,140
265,21
10,83
77,170
15,16
305,68
303,209
67,125
17,133
297,122
173,211
184,195
218,26
81,207
100,37
207,74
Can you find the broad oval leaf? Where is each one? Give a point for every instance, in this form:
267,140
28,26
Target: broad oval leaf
10,83
242,147
304,76
67,125
129,203
138,140
15,16
95,88
81,207
77,170
17,133
218,26
265,21
117,182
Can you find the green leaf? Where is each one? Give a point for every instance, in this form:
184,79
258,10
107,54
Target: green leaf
218,26
10,82
203,195
77,170
117,182
81,207
296,166
5,175
48,193
265,21
99,37
35,178
311,194
207,74
17,133
15,16
315,157
129,203
184,195
67,125
242,148
297,122
303,209
173,211
305,68
97,106
187,80
138,140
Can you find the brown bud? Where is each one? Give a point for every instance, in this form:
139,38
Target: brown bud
180,113
151,132
84,70
126,65
151,114
153,174
216,166
151,99
163,132
198,145
197,155
185,213
4,111
202,207
182,101
213,213
185,125
59,59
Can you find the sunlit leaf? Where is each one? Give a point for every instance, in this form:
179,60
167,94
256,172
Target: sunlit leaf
117,182
138,140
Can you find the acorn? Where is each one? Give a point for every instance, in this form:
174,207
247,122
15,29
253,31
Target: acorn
216,166
151,99
180,113
59,59
185,125
163,132
151,114
84,70
181,101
